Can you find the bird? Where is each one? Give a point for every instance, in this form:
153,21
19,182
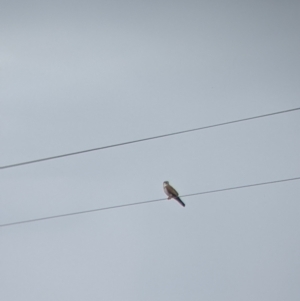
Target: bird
172,193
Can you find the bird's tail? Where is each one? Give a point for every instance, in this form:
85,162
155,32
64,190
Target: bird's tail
180,201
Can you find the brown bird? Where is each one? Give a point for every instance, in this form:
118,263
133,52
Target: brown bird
172,193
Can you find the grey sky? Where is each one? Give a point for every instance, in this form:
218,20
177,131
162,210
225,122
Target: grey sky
79,75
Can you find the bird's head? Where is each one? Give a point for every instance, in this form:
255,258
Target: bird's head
166,183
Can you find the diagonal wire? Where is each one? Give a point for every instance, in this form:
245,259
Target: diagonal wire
146,139
145,202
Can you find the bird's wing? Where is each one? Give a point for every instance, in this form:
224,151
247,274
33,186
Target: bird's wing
171,190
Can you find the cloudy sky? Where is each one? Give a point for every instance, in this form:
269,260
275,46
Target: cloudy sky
76,75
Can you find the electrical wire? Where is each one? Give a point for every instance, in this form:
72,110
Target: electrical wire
145,202
146,139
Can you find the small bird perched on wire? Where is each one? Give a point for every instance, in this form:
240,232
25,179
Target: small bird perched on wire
172,193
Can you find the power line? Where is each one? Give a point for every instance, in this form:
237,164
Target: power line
144,202
145,139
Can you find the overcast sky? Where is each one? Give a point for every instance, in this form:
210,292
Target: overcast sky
76,75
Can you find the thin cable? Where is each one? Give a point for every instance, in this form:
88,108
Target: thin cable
144,202
145,139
